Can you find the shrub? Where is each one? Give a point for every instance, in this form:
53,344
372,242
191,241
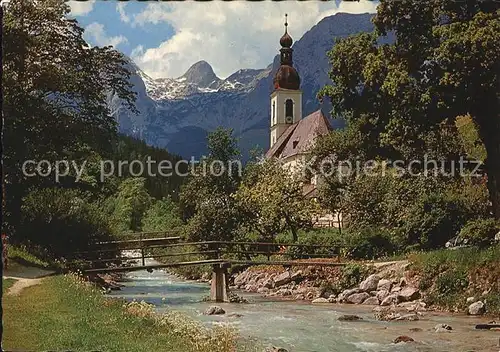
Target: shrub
310,239
351,275
480,232
367,243
451,282
62,221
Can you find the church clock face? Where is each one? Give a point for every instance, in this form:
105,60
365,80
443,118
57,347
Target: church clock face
289,119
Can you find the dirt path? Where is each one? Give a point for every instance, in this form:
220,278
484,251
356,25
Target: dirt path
26,276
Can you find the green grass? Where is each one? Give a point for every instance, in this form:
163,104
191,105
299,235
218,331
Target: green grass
62,313
6,284
450,276
20,254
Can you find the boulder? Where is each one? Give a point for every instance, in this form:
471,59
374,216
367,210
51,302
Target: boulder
407,317
382,294
413,306
240,279
332,299
275,349
442,328
251,288
390,300
346,293
408,294
370,283
349,318
372,301
234,315
214,310
320,300
282,279
262,290
357,298
300,297
402,282
477,308
395,289
385,285
297,276
403,339
416,329
471,300
269,283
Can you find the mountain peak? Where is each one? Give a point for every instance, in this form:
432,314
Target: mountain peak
201,74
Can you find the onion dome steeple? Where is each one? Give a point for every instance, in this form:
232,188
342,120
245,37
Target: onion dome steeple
286,41
286,77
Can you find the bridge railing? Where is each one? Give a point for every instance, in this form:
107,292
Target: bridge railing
209,250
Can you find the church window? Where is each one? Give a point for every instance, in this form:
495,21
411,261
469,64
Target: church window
274,112
289,108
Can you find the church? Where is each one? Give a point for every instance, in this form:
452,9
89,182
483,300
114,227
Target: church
291,135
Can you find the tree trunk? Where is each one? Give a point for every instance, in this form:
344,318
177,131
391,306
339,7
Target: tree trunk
490,134
293,230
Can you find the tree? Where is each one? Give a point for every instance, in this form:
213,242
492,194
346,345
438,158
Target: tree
207,199
129,205
54,87
272,200
445,62
163,215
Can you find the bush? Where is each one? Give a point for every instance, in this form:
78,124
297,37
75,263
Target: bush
310,239
451,282
367,243
352,275
480,232
62,221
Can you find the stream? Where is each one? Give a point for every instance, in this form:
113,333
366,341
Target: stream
301,326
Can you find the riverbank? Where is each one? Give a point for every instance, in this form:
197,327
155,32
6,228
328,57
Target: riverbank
464,280
65,313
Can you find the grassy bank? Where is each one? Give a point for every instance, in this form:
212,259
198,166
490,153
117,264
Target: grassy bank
449,277
63,313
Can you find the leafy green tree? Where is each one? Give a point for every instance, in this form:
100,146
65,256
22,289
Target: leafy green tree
207,199
272,200
62,221
163,215
129,205
445,62
54,92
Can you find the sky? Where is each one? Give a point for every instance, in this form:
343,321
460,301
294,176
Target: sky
165,38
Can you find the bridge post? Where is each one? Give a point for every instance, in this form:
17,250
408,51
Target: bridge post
218,289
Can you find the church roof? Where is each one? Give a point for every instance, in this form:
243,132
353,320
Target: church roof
300,136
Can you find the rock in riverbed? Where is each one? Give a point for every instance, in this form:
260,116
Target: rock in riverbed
403,339
214,310
349,318
320,300
477,308
370,283
357,298
442,328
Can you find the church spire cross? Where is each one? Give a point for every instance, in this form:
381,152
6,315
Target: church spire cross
286,21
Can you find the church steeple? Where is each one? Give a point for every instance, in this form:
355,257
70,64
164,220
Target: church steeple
286,99
286,43
286,76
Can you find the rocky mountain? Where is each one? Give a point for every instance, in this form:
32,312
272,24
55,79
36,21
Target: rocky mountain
177,113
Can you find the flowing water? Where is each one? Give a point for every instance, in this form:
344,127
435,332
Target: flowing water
305,327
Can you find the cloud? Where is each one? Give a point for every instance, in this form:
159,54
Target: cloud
95,33
81,8
120,8
229,35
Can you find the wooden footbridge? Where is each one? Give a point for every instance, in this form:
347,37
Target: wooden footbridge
221,255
